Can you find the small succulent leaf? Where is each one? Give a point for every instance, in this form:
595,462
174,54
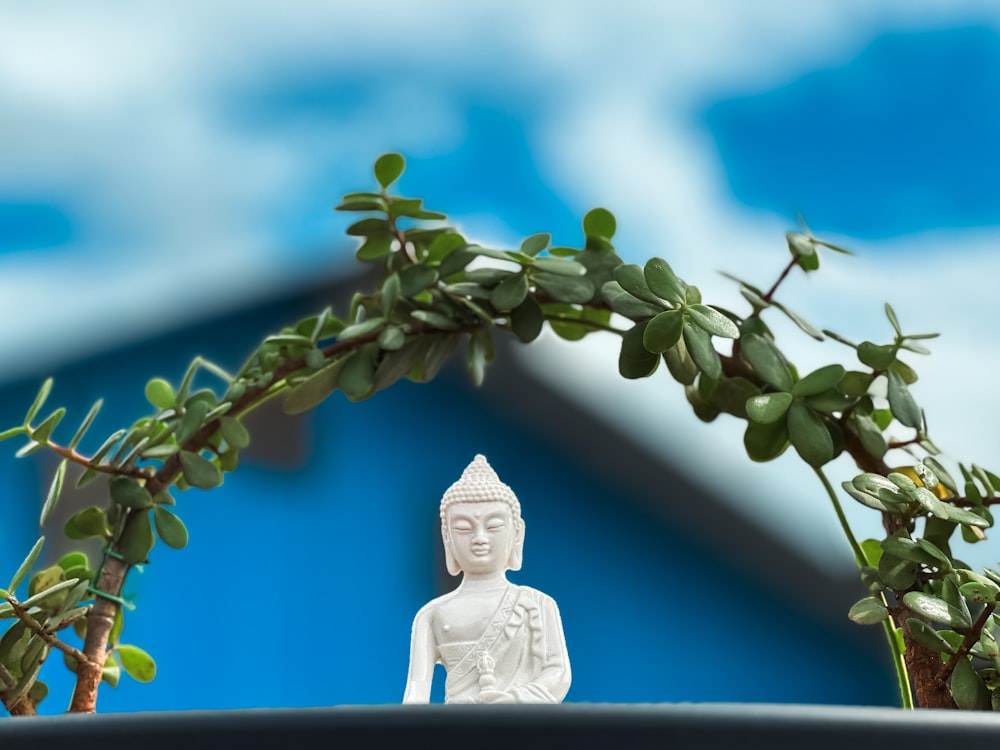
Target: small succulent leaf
414,279
559,266
663,283
927,636
819,381
111,671
388,168
170,528
966,517
868,611
663,331
137,539
941,473
871,437
160,394
897,573
765,442
599,222
985,593
527,320
682,367
632,279
872,550
968,689
768,407
904,408
234,433
534,244
936,609
55,490
761,354
570,289
624,303
314,389
634,360
86,523
199,471
36,405
699,345
877,357
42,433
128,493
26,565
85,425
137,663
808,434
510,292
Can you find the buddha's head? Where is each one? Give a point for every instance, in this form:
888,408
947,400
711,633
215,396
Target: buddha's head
481,523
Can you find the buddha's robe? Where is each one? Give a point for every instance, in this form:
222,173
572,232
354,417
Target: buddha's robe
525,640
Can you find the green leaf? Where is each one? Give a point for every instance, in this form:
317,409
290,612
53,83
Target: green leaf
170,528
663,283
191,422
199,471
414,279
663,331
712,321
534,244
868,611
12,432
927,636
768,407
966,517
527,320
139,665
985,592
128,493
26,565
634,360
766,361
632,279
41,433
599,222
682,367
55,489
872,549
936,610
898,574
160,394
765,442
809,436
803,325
699,345
137,539
356,330
48,592
388,168
111,672
436,320
510,292
480,342
623,303
439,351
85,425
559,266
357,379
904,408
375,247
313,390
234,433
86,523
869,433
876,357
73,560
43,393
571,289
818,381
968,689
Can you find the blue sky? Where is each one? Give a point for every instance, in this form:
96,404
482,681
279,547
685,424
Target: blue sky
167,146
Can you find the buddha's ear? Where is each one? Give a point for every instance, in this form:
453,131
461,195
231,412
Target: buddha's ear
517,550
449,557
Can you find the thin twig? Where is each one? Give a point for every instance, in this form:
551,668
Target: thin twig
967,643
38,629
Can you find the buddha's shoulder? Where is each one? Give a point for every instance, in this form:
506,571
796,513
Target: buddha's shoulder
539,597
434,606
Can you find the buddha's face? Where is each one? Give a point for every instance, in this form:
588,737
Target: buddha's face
482,536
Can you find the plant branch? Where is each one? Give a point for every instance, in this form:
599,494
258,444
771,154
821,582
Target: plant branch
40,630
967,643
784,274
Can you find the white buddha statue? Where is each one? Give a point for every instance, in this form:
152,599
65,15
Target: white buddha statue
499,642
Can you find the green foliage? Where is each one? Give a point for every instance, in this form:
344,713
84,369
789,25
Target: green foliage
436,293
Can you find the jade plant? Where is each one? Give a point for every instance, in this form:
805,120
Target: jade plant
436,293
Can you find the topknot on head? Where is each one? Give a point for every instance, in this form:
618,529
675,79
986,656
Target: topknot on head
479,483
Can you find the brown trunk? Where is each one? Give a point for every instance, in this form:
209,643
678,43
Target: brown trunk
24,707
100,620
924,667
